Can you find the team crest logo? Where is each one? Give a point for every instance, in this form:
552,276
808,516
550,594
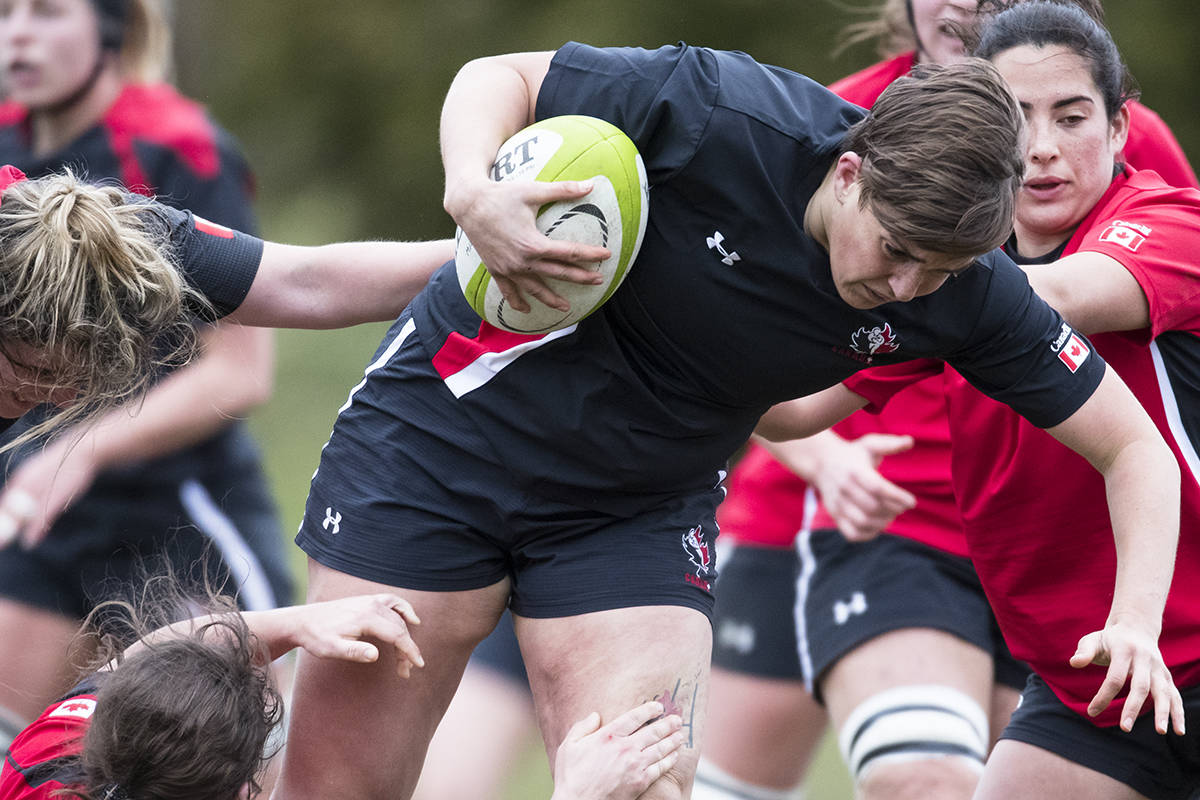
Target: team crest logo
1129,235
874,342
699,552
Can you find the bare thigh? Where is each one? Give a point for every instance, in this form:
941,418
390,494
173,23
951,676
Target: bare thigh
609,661
359,730
1020,771
763,731
34,667
910,657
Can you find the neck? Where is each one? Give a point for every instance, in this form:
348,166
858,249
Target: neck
53,128
816,213
1035,245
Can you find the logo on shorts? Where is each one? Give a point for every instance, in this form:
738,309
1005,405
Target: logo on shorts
81,707
699,551
1129,235
333,518
736,636
874,342
843,611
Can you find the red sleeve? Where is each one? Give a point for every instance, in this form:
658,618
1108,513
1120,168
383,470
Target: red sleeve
879,384
864,87
1155,236
1151,145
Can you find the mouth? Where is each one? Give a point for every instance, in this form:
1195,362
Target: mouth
22,73
1044,187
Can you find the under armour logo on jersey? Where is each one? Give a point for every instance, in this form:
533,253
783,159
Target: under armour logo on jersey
714,243
333,518
843,611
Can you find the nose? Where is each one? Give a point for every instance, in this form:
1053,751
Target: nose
1041,146
905,282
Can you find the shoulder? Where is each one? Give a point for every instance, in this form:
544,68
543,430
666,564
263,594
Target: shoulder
35,765
158,115
864,86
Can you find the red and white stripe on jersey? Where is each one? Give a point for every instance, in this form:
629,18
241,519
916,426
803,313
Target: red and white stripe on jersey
466,364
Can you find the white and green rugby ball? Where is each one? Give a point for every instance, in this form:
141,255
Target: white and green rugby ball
612,215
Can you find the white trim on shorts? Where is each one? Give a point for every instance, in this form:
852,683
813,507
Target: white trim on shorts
248,575
808,567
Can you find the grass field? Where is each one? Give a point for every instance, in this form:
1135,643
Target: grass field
314,375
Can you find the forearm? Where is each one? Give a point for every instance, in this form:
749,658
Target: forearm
804,456
338,285
489,100
1143,487
232,375
276,629
809,415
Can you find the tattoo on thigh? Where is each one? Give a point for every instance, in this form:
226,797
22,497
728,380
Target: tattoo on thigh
681,700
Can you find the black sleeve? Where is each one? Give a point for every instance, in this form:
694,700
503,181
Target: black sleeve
662,99
219,262
1020,350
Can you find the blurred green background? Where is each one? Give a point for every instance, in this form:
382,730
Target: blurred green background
336,105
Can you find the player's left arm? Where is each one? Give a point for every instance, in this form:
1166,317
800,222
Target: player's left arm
1094,292
332,629
337,285
1112,431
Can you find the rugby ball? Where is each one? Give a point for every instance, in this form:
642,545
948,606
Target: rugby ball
612,215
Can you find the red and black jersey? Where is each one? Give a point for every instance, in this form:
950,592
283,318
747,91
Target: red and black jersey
44,757
1034,512
758,508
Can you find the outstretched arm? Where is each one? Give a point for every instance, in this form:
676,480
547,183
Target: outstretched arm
1111,430
336,285
333,629
808,415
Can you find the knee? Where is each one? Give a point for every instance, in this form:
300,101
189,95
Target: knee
934,778
916,741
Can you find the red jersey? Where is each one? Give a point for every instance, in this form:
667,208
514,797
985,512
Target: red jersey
759,510
1035,513
32,769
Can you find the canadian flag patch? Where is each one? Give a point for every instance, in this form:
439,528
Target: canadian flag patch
1074,352
1129,235
81,707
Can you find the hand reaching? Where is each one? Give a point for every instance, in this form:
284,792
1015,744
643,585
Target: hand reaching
619,760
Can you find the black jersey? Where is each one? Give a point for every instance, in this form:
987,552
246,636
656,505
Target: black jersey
156,142
730,306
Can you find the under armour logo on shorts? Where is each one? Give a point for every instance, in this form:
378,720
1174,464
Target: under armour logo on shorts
333,518
843,611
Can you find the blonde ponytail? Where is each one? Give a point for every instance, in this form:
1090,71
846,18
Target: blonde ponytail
86,284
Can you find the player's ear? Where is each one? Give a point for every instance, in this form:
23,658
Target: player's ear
845,173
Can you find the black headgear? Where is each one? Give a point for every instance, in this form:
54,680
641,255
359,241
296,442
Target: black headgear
113,14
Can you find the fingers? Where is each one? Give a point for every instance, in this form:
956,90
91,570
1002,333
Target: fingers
17,509
635,718
1114,680
886,444
1168,703
585,726
1088,651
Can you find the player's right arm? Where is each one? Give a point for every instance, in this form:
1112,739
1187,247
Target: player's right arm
489,100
